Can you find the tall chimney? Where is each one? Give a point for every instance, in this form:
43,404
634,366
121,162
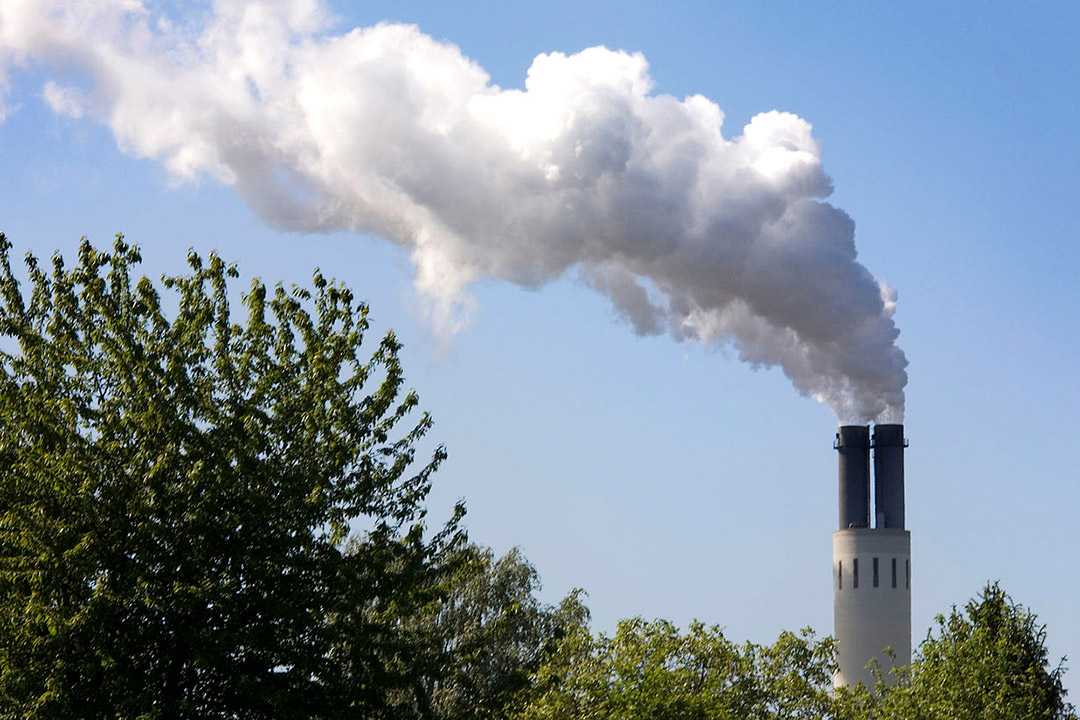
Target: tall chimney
853,444
889,446
871,565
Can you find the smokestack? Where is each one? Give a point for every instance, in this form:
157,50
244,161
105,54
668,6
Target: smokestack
853,444
889,447
871,566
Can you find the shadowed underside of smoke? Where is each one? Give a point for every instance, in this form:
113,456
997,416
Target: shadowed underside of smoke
586,170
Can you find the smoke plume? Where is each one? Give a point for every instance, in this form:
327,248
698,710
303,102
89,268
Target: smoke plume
384,130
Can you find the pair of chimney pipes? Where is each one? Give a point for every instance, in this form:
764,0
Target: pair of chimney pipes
854,443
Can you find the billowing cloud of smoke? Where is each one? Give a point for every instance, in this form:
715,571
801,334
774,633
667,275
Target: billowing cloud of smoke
387,131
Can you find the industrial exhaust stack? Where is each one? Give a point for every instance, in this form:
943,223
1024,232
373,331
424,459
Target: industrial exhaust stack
889,447
871,565
853,444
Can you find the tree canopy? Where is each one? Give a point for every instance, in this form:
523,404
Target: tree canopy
652,671
492,634
178,490
987,661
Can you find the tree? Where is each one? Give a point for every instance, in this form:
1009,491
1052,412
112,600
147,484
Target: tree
177,493
986,662
492,632
652,671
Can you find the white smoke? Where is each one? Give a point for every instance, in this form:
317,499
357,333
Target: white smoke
385,130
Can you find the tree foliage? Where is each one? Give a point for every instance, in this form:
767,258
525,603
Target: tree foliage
652,671
986,662
177,491
491,633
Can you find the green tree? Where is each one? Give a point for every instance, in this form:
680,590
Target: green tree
652,671
492,632
986,662
177,492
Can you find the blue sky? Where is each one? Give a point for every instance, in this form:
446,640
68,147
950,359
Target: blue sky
665,478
